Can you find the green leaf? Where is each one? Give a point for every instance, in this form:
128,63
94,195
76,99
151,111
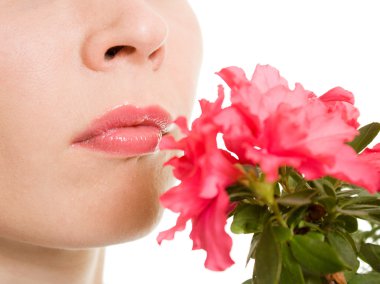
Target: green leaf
365,137
370,253
295,175
248,219
328,202
349,223
349,237
296,181
298,198
324,186
295,216
333,181
353,213
316,236
371,215
348,275
291,271
252,250
315,255
363,200
375,218
344,249
349,192
268,258
264,190
282,234
369,278
238,192
313,279
374,209
249,281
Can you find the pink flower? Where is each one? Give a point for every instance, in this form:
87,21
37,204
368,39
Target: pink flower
267,124
372,156
205,172
341,101
292,127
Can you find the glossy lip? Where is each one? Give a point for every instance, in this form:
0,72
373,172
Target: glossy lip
111,132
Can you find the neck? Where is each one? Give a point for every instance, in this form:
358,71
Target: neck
27,264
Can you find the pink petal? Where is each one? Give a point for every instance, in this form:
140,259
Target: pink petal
340,101
338,94
168,142
234,77
208,233
372,156
267,77
169,234
349,167
182,124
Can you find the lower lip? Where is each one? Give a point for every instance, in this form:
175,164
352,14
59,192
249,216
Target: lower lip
125,142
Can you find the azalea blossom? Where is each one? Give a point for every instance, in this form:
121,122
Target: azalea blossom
267,125
293,127
204,171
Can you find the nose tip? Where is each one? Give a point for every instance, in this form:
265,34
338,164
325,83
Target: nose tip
138,38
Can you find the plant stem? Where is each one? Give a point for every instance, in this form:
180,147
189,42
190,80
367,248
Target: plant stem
277,214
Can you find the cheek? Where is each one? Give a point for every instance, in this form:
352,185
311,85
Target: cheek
31,110
183,61
24,55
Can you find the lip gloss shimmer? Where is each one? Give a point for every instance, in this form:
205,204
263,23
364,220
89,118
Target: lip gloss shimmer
127,142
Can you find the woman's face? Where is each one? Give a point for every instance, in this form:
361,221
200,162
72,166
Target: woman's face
55,78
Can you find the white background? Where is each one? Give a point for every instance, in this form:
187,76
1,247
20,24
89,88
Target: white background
321,44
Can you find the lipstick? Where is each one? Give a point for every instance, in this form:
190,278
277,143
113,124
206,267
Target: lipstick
126,131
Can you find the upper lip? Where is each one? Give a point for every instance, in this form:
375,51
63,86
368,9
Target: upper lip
127,116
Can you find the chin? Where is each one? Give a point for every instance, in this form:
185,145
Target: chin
120,225
99,232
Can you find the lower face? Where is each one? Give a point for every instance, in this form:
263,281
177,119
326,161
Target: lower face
58,196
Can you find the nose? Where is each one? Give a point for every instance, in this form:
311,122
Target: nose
135,35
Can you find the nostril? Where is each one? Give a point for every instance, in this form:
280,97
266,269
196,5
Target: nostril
113,51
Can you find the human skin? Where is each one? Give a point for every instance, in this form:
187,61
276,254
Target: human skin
61,205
